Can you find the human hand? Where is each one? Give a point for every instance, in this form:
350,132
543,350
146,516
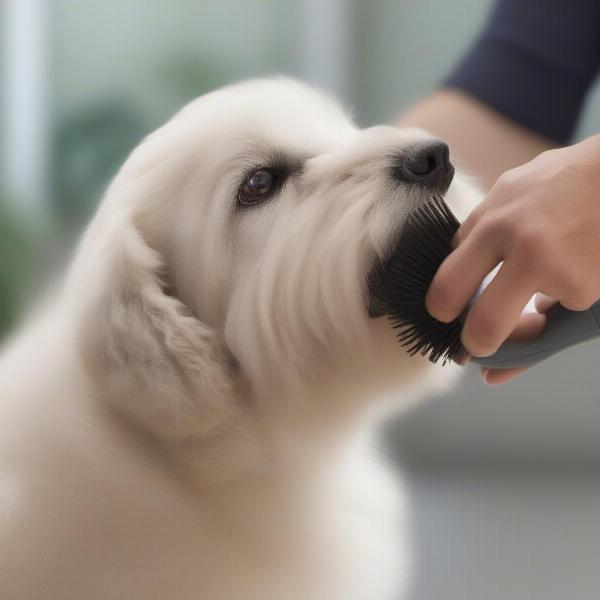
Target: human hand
529,327
542,221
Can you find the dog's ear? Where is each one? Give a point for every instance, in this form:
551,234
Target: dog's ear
148,355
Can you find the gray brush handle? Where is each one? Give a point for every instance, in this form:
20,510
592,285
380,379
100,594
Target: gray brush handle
564,328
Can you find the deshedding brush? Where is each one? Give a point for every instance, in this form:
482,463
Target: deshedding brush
426,240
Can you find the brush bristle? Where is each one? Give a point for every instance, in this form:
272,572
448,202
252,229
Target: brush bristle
425,242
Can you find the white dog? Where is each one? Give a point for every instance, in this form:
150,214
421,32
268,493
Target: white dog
193,417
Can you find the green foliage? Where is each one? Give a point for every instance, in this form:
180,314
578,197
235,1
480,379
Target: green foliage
16,254
89,147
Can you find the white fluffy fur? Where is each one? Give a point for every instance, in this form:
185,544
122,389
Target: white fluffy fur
193,418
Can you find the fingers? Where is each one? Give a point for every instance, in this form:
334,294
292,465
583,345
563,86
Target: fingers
497,311
454,285
476,245
474,217
530,327
544,303
500,194
500,376
469,223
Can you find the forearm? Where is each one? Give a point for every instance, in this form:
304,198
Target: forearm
483,142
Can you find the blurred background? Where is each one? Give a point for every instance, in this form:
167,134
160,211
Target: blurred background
505,483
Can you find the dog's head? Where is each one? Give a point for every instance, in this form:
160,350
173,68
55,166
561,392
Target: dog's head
237,243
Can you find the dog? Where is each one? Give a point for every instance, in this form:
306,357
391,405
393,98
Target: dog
193,415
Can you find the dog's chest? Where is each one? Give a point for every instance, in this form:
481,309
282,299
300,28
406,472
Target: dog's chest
141,540
337,540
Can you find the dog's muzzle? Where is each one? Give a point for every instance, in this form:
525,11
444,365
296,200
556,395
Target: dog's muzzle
426,165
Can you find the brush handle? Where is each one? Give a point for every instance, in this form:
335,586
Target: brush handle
564,328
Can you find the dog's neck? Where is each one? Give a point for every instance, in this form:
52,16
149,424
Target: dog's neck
293,436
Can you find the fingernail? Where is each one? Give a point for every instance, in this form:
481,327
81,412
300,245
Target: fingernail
485,353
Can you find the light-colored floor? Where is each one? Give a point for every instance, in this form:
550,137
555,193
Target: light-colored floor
503,536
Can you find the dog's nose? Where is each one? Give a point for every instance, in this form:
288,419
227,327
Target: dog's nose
427,163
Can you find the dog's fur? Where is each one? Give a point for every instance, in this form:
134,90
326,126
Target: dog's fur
193,418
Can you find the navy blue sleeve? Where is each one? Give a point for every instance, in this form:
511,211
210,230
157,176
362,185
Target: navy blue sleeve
534,62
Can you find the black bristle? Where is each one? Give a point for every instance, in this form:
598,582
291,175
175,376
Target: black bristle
424,244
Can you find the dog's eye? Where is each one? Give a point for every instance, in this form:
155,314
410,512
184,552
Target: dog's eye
257,187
